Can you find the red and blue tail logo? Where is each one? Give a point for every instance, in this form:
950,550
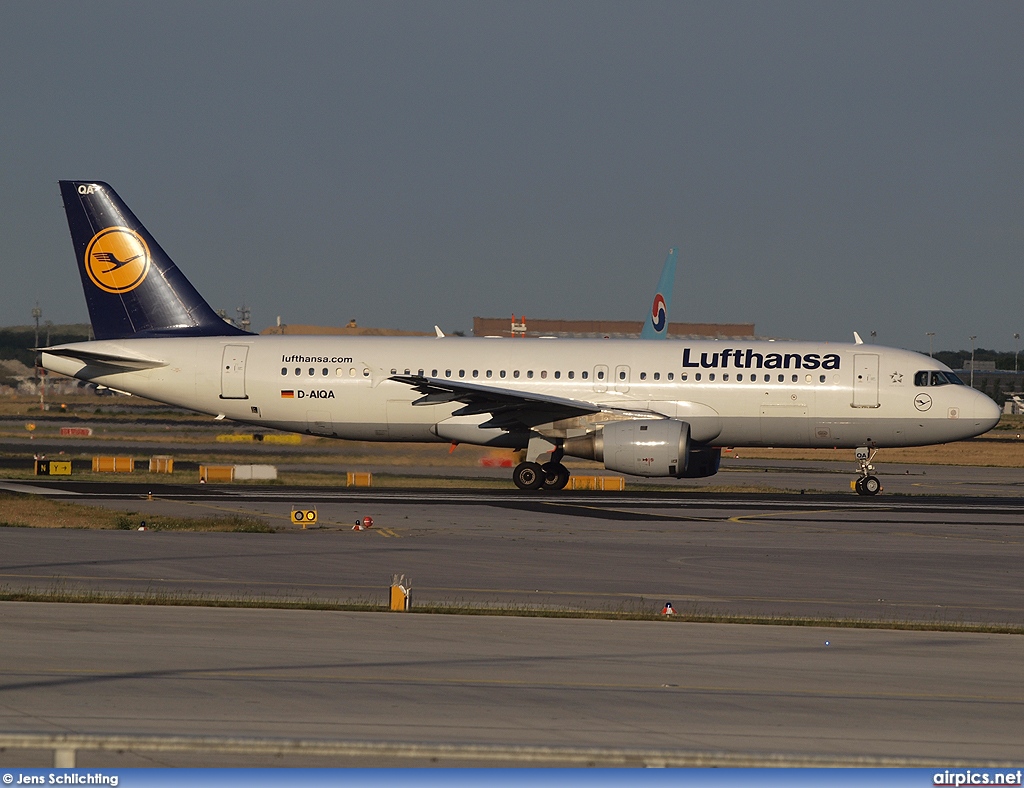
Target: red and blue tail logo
659,313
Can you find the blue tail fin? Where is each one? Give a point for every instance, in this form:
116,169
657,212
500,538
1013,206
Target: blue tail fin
131,286
656,323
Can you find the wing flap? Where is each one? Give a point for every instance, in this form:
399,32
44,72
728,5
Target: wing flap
509,409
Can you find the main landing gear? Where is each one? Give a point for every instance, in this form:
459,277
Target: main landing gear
868,483
534,476
552,475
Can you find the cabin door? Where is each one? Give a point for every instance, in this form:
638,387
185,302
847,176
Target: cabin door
232,372
865,380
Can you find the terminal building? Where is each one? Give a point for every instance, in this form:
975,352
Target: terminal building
603,329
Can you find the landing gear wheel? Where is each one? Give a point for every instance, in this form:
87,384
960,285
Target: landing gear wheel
859,486
528,476
870,485
556,476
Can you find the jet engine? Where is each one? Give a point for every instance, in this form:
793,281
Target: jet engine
642,447
647,447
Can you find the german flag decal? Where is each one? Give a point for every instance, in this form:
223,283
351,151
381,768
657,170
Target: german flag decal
289,394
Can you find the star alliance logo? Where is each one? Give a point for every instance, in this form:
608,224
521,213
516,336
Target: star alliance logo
896,377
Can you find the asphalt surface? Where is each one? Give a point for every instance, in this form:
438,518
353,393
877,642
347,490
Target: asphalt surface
514,680
488,680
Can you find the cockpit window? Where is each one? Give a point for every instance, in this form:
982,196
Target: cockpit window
936,378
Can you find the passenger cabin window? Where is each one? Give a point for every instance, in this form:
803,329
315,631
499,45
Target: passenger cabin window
600,375
284,370
671,376
572,374
584,374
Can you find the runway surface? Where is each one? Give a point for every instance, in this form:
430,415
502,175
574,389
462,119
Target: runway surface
887,558
528,681
486,680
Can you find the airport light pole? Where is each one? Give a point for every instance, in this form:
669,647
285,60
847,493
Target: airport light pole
972,360
930,334
1016,350
37,313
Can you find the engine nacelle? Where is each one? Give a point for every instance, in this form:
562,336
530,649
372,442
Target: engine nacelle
641,447
704,461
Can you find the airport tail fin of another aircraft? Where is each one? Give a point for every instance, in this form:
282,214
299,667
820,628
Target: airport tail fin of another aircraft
131,286
656,323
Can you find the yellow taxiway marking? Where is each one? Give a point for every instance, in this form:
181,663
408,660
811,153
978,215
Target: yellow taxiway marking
741,517
387,532
650,515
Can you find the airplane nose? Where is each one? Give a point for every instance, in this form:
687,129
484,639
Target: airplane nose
986,412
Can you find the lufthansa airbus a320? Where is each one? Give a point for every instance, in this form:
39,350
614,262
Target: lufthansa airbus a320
655,409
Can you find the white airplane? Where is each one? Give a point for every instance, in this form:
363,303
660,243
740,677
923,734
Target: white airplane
654,409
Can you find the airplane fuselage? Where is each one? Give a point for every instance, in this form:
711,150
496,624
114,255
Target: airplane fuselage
730,392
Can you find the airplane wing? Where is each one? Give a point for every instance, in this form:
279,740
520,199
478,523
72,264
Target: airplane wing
508,408
95,358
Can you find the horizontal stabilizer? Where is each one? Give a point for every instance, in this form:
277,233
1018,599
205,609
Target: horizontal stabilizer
97,359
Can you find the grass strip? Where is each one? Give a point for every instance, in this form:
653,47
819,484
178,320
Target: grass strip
60,595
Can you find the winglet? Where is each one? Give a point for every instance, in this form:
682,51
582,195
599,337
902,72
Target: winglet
439,332
656,322
856,339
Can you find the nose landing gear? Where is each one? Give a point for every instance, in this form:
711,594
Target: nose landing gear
868,483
